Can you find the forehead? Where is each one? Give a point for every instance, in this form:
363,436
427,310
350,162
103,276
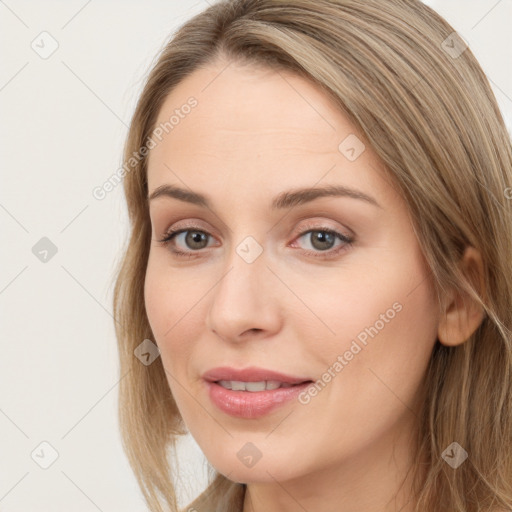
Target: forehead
238,102
254,125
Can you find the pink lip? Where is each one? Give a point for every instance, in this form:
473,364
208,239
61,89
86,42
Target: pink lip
248,404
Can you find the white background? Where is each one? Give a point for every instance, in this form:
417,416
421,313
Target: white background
63,123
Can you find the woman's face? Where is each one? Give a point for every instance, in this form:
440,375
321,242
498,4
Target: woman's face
325,289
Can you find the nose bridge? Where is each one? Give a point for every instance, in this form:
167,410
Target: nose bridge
240,299
243,282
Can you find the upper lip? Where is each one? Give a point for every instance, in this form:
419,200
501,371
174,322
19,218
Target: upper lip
252,374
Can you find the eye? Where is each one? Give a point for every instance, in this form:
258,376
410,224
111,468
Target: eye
323,239
195,239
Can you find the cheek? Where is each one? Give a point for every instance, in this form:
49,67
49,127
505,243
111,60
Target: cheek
382,318
157,299
395,325
385,330
171,308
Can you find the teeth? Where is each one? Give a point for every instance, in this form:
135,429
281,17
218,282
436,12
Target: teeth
253,386
263,385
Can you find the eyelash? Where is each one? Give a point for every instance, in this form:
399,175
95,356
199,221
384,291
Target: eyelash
347,241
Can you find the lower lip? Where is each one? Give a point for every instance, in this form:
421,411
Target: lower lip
252,404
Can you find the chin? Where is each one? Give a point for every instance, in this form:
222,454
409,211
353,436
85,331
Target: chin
262,471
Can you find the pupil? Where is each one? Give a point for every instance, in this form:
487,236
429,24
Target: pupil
322,238
195,237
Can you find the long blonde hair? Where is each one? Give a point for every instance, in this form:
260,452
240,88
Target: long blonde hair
403,76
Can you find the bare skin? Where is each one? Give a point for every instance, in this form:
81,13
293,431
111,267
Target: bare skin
253,135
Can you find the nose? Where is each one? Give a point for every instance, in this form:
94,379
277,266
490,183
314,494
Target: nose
244,302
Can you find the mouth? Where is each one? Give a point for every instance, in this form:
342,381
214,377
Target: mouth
253,392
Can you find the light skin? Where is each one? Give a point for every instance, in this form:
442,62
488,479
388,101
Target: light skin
255,134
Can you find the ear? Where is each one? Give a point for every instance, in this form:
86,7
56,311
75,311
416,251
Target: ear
463,314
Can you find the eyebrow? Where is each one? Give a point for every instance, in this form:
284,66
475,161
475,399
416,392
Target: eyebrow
284,200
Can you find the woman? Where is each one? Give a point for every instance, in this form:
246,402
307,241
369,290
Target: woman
321,230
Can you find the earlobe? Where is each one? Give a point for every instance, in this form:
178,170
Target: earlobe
463,314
